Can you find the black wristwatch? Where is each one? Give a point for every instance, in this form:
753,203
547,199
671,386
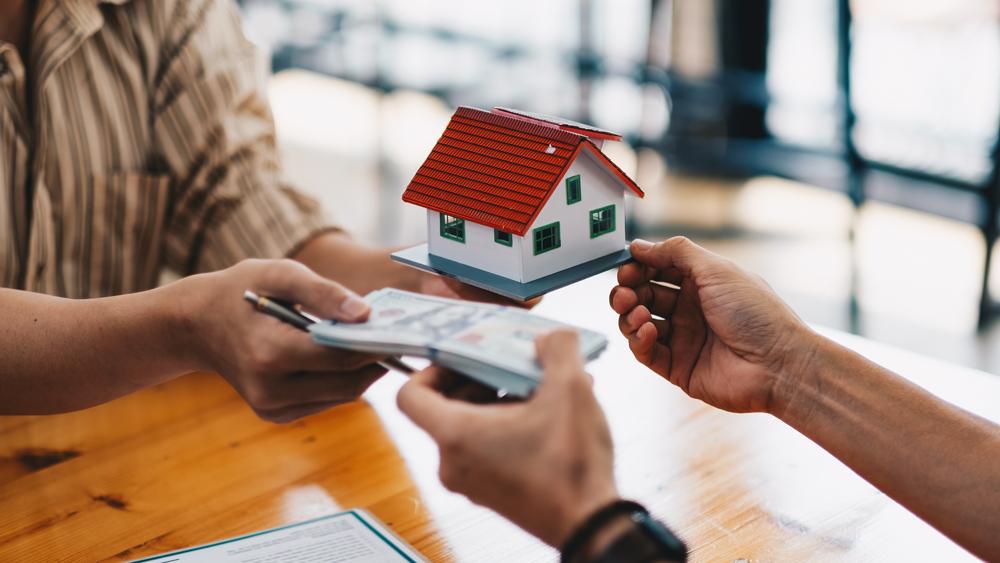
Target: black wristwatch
646,541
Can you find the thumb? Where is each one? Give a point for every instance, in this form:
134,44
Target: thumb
676,252
420,400
559,355
295,282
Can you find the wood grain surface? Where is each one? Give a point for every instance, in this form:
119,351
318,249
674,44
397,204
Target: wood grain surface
187,463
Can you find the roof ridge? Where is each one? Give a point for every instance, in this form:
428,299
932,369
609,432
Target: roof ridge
585,129
554,133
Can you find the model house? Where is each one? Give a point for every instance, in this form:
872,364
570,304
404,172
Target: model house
520,195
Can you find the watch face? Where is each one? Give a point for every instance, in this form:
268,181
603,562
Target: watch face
663,536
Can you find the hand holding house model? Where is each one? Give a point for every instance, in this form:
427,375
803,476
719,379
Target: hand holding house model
519,204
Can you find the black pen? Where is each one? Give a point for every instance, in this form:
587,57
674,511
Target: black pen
290,314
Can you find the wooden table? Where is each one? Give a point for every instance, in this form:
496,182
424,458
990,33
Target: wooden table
187,462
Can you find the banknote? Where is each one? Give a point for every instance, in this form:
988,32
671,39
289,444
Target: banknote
506,339
405,321
491,343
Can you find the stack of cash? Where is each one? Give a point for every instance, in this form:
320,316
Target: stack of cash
492,344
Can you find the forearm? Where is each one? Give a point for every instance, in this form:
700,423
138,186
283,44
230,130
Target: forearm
62,354
934,458
357,266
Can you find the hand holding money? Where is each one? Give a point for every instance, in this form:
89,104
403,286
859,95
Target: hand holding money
544,463
492,344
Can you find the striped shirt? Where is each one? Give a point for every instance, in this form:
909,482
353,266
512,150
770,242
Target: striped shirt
136,139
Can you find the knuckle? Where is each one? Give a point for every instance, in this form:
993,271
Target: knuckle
254,395
679,242
335,289
568,375
637,316
624,298
544,340
446,475
679,245
558,339
565,337
562,347
451,476
265,359
451,442
581,386
280,272
248,264
763,283
259,397
403,398
289,265
637,349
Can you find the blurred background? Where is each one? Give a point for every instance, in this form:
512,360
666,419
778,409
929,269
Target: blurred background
846,151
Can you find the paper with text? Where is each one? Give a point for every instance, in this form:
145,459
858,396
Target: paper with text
354,536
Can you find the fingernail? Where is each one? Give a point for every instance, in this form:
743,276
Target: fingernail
642,244
354,306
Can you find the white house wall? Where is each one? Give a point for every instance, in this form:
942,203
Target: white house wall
479,250
598,188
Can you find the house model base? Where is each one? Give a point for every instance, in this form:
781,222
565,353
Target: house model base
419,257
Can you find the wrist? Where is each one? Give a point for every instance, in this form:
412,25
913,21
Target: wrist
578,509
358,266
797,382
179,306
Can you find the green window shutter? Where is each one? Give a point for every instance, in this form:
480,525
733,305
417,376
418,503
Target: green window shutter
452,228
602,221
574,192
546,238
504,238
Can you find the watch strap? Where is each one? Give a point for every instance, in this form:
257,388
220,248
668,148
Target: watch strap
584,532
647,541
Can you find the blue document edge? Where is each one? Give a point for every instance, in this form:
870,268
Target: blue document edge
361,515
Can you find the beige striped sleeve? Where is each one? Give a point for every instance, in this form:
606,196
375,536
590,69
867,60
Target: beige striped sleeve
213,131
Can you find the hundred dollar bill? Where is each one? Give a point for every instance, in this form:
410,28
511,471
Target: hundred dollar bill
506,339
401,321
491,343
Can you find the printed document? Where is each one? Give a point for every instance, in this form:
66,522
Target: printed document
352,536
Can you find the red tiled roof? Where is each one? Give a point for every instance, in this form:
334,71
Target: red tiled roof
562,123
498,170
